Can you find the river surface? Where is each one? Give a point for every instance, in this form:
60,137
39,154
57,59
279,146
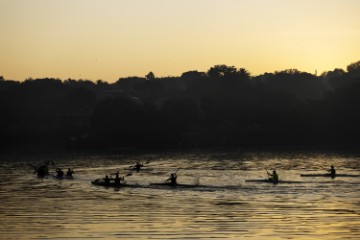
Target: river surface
222,206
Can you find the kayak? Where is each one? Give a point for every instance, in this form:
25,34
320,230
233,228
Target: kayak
269,181
100,182
329,175
136,168
174,185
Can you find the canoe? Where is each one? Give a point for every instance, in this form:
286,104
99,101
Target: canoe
329,175
269,181
100,182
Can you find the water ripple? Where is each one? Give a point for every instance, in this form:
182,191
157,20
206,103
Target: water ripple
223,206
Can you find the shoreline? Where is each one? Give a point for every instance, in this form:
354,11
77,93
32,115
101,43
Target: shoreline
51,149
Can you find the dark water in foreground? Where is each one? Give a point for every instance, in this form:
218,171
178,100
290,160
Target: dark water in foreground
224,206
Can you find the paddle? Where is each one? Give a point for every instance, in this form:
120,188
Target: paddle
141,165
34,167
270,177
31,165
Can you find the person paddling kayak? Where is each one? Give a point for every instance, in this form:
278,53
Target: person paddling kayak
69,172
172,179
117,179
60,173
107,180
138,166
274,177
332,171
43,169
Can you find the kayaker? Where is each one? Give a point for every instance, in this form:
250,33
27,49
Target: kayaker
172,178
43,169
59,172
274,177
69,172
117,179
138,166
107,180
332,171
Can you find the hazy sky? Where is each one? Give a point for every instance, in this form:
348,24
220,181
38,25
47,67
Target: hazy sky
108,39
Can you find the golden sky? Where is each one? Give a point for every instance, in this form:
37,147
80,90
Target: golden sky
108,39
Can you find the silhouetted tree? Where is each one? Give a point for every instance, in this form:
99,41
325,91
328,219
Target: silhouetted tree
150,76
244,74
336,78
102,84
302,85
354,68
222,72
197,84
193,75
128,84
224,106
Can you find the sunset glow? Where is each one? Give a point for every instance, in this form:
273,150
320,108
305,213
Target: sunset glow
93,39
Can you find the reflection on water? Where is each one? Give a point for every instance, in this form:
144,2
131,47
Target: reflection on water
224,206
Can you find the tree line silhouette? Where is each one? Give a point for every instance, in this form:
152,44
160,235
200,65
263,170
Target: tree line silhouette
224,106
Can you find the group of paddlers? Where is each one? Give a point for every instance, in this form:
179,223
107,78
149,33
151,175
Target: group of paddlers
274,177
117,180
60,173
42,171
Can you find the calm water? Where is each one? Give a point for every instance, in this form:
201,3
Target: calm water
224,206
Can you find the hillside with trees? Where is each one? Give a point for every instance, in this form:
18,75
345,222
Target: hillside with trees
225,106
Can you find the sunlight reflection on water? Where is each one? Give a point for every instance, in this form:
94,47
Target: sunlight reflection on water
224,206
